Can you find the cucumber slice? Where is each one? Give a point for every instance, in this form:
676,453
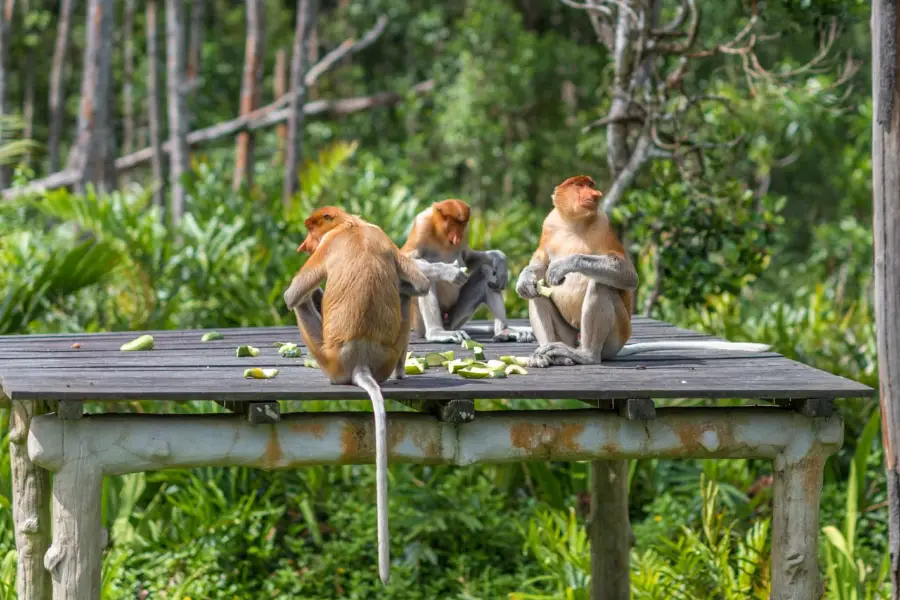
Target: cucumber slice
144,342
470,344
544,289
290,350
257,373
460,363
414,367
433,359
473,372
522,361
212,335
515,370
311,363
246,351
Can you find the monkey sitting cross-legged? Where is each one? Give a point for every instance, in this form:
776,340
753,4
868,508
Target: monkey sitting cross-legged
362,332
592,280
439,245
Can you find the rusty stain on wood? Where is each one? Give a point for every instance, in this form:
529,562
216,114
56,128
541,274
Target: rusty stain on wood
273,454
546,440
316,430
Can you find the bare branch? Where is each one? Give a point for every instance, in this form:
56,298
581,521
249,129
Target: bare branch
347,47
674,27
690,35
344,106
626,176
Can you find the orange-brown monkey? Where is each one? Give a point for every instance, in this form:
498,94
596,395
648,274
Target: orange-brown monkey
439,246
593,281
363,331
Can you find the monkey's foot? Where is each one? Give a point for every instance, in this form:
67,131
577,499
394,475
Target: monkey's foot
399,372
522,335
557,354
443,336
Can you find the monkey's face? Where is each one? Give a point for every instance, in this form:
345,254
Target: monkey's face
451,217
318,224
577,197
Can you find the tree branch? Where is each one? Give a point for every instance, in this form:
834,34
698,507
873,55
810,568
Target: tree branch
344,106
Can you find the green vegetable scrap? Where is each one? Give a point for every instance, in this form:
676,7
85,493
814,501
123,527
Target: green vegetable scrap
290,350
544,289
522,361
246,351
415,366
257,373
471,344
310,363
212,335
144,342
516,370
473,372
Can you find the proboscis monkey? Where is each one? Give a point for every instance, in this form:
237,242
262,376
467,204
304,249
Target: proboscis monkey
362,333
592,281
439,245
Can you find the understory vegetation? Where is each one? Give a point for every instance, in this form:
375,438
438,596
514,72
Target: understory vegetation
771,242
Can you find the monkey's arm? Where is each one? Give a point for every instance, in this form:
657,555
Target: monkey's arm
474,259
436,271
526,286
413,281
608,269
306,281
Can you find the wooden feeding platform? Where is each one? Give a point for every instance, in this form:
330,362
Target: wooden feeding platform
48,378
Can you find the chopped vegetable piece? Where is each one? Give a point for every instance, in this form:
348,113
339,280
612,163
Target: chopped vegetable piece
522,361
212,335
460,363
246,351
544,289
470,344
433,359
311,363
496,364
257,373
290,350
145,342
482,373
414,367
478,352
515,370
447,355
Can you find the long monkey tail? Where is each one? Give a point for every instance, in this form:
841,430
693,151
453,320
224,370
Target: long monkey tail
696,345
362,377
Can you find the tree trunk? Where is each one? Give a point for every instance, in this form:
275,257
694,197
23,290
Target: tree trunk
57,82
306,16
153,117
128,81
280,89
178,113
6,15
92,157
250,90
313,57
886,210
195,51
28,83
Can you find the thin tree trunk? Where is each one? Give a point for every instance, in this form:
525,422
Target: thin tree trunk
57,82
250,90
313,57
28,84
128,81
306,16
280,89
178,113
195,51
886,232
6,15
153,113
92,156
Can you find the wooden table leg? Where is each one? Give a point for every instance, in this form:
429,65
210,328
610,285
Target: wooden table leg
75,558
795,528
31,505
609,530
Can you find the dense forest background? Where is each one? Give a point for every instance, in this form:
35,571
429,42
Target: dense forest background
740,175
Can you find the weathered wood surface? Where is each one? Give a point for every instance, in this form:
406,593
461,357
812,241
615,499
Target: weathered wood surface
886,231
181,367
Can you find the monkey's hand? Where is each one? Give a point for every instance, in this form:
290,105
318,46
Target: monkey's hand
557,271
522,335
501,274
443,336
449,272
526,286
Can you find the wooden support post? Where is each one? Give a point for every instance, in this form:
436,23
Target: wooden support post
458,410
263,413
609,530
31,505
886,212
809,407
795,527
75,558
636,409
70,409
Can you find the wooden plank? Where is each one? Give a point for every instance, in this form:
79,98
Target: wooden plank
755,378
